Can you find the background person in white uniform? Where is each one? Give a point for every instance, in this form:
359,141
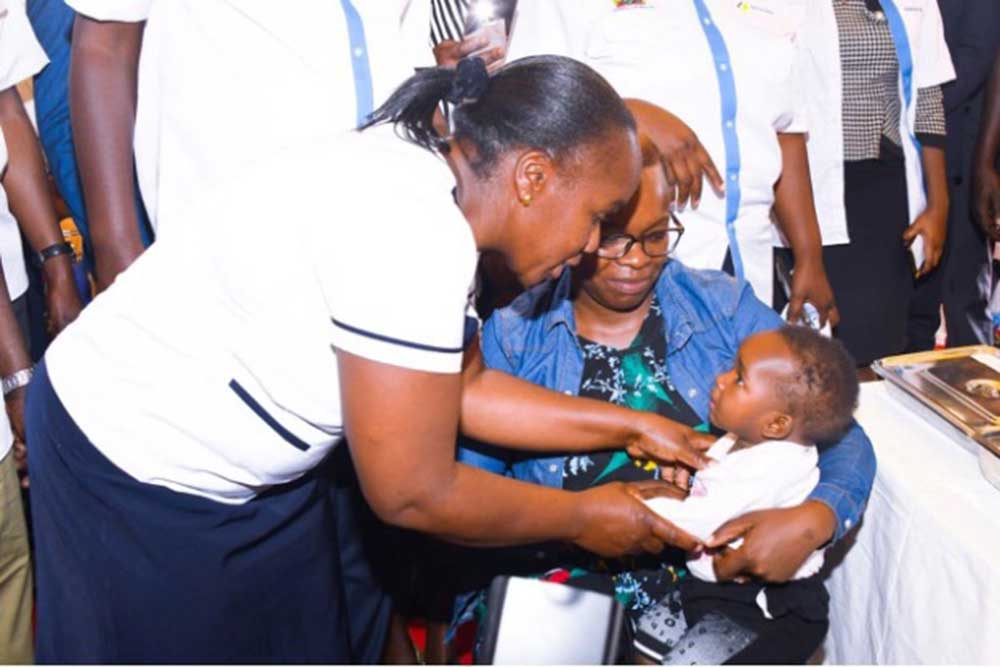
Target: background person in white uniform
732,76
187,409
219,84
876,156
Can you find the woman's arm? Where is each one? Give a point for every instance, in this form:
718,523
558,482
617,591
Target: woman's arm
986,190
103,80
13,358
508,411
402,424
27,188
796,215
932,224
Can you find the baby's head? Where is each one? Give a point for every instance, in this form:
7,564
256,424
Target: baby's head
789,384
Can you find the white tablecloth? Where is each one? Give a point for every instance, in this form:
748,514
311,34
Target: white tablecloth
919,582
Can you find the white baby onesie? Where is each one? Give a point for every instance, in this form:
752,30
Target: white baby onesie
770,475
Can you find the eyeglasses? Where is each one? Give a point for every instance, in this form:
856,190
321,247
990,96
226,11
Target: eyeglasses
659,243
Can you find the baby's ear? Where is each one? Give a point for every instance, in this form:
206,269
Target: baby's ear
778,425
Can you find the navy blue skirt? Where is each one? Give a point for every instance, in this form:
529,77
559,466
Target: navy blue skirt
132,572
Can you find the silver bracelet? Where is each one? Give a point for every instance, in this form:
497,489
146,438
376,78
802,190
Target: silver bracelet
15,381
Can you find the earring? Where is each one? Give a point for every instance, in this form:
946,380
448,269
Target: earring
525,200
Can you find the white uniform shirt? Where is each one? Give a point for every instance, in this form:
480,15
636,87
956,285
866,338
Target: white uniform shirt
770,475
223,83
208,367
658,51
823,81
21,57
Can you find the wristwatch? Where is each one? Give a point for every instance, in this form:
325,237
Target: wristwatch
15,381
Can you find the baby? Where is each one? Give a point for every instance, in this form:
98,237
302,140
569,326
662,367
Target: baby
788,390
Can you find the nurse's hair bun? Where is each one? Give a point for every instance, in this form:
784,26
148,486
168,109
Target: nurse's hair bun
471,81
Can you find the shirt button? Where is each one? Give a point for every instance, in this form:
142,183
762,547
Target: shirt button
692,393
358,52
847,524
568,392
553,468
729,124
723,66
707,21
734,177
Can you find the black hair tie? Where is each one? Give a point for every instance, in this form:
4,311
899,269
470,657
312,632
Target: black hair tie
471,81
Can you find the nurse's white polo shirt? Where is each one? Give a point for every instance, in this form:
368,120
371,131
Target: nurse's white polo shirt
210,366
21,57
223,83
736,93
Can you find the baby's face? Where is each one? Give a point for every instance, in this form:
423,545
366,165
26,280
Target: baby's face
747,398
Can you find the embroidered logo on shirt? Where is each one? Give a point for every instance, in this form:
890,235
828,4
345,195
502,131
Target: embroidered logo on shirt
628,4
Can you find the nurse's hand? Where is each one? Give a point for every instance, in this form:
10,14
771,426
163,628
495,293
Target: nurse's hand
685,160
667,442
616,522
776,542
932,225
986,199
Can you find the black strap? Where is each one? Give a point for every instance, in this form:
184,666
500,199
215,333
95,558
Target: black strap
54,250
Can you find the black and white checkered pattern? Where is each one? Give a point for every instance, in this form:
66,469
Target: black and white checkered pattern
871,104
447,20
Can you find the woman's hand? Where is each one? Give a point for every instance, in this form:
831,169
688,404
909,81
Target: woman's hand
986,199
615,521
810,284
14,404
776,542
685,159
932,225
667,442
62,302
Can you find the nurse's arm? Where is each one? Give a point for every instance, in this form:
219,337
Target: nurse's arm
796,215
102,88
402,425
685,160
505,410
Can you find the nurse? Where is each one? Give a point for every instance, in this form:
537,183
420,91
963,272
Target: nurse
730,71
175,426
876,154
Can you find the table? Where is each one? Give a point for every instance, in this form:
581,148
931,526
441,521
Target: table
919,580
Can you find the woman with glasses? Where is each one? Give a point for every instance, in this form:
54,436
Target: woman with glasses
729,70
633,327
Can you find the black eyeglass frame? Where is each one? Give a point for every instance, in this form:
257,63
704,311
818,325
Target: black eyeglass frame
675,226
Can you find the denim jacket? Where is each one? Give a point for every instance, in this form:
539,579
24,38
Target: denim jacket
706,315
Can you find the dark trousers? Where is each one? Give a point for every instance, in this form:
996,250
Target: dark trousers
872,278
134,572
962,282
